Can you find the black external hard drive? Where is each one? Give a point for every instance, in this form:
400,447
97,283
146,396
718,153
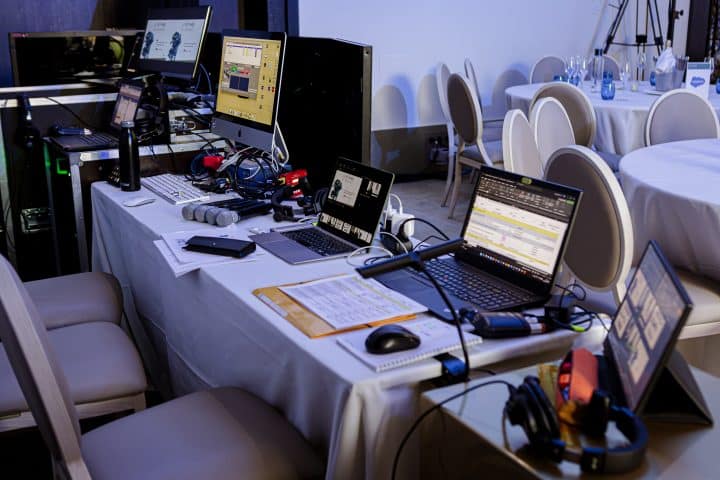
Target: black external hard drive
230,247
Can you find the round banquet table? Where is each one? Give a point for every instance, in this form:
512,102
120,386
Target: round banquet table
620,122
673,192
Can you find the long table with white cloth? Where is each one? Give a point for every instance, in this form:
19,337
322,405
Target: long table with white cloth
207,329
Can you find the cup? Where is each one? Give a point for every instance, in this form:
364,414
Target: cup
607,90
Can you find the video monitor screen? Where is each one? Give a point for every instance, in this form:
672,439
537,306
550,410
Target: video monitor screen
173,41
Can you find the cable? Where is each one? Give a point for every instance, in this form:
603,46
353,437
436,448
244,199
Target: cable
69,110
422,242
394,237
400,204
207,77
413,427
422,220
368,248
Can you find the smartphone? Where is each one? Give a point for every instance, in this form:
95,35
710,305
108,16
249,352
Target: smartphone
230,247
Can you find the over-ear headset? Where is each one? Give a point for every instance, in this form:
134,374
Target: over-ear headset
529,407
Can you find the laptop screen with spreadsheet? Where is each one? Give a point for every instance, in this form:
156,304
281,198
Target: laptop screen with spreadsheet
517,226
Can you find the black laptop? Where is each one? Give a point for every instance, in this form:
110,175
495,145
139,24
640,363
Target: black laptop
349,218
126,106
515,234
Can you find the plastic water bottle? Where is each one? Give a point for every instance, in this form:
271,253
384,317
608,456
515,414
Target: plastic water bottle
129,158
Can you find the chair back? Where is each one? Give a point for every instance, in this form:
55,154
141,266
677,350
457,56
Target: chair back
609,65
546,68
578,107
551,127
465,114
442,74
470,74
41,380
600,247
680,115
520,153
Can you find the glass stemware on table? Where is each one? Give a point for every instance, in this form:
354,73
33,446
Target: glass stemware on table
576,68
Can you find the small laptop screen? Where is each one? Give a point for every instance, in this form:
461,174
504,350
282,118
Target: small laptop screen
356,199
126,104
519,223
646,325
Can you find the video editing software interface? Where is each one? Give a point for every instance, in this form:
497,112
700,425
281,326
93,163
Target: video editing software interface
355,200
519,224
645,323
248,78
126,104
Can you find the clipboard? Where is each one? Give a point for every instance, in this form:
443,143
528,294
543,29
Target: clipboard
303,319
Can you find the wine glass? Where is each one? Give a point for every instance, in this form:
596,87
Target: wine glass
583,67
641,62
625,74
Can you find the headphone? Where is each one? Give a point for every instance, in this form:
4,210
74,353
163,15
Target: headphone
310,204
529,407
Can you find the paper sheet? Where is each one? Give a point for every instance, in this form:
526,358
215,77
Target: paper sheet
349,300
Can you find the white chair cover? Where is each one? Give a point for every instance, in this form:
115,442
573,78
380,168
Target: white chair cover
519,150
551,127
680,115
578,107
546,68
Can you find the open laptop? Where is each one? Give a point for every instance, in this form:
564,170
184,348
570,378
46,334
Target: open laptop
126,106
639,350
349,218
515,234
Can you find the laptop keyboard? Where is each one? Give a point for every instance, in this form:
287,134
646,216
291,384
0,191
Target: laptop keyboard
97,140
470,287
318,242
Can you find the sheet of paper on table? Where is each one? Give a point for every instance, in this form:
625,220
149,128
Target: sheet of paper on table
182,261
348,300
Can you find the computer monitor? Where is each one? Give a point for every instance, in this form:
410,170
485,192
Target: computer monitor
51,58
249,87
173,40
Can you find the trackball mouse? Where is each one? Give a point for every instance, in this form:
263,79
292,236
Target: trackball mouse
391,338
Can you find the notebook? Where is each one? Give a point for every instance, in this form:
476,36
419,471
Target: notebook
639,350
514,237
435,338
126,106
349,218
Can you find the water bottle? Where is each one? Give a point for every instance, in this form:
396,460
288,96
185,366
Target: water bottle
607,91
129,158
598,67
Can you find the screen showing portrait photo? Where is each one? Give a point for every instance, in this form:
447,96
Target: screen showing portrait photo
173,40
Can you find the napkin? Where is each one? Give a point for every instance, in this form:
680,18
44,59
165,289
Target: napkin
666,61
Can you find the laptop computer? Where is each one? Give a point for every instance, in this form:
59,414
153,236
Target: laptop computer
515,233
126,106
639,350
349,218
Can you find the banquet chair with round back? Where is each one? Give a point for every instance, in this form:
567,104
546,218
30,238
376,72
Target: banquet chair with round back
442,74
220,434
519,149
577,105
470,74
680,115
467,118
609,65
551,127
545,69
600,248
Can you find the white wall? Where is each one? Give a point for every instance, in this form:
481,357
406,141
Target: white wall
410,36
502,38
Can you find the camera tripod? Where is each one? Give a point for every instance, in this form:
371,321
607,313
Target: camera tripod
653,16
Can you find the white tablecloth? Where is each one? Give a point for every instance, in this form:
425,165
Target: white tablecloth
673,191
620,122
209,330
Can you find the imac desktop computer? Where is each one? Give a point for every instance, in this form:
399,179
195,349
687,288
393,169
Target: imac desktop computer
249,88
173,41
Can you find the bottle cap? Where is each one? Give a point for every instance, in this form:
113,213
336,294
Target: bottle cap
127,124
598,51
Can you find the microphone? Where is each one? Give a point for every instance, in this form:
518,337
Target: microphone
226,217
409,259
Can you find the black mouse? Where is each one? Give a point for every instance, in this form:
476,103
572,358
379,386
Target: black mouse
391,338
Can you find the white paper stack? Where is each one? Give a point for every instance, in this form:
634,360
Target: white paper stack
182,261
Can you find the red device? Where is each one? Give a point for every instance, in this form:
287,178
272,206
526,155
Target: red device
292,179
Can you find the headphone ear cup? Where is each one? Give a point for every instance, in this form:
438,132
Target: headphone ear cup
543,410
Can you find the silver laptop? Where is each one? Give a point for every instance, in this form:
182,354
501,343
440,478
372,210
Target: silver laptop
515,234
349,219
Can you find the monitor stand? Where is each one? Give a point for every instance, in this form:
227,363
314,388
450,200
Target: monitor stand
155,128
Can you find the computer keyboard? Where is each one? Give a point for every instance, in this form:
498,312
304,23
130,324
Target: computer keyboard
98,139
318,241
470,287
174,188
